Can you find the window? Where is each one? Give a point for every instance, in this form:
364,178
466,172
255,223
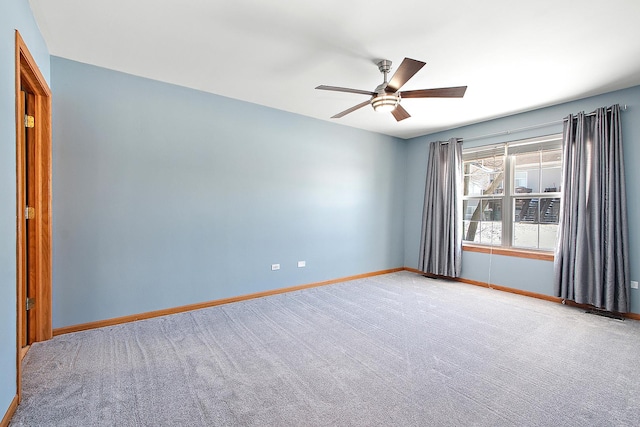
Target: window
512,193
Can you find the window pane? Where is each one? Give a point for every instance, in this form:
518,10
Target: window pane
492,210
475,183
549,210
527,172
551,171
470,234
548,235
525,210
491,233
525,235
484,176
468,209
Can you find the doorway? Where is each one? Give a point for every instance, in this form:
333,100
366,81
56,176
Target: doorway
33,201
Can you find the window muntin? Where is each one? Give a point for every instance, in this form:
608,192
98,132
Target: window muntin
521,211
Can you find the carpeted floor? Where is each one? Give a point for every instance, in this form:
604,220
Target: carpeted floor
393,350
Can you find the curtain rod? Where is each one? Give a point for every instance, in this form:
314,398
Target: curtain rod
541,125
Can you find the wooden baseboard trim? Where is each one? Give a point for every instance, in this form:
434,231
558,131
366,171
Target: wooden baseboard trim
558,300
633,316
510,290
206,304
10,411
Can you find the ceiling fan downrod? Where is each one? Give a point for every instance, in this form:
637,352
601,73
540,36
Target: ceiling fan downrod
384,101
384,65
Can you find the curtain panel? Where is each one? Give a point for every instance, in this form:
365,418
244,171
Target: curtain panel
592,259
441,237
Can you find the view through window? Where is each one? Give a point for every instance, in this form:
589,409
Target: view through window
512,193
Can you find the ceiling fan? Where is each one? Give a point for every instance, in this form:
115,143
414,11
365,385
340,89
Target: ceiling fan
387,96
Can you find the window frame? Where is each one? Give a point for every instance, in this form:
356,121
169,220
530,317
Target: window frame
508,196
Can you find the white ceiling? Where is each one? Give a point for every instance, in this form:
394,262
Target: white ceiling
513,56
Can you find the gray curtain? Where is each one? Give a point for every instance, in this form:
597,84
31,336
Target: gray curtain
441,241
591,260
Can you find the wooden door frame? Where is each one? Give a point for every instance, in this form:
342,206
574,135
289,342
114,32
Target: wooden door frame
29,76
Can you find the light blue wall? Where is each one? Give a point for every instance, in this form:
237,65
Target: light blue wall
14,14
526,274
165,196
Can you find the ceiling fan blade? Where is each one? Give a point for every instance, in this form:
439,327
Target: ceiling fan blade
443,92
400,113
351,110
346,89
405,71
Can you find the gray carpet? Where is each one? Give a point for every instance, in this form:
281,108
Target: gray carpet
392,350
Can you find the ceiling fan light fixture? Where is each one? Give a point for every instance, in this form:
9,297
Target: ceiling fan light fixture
385,102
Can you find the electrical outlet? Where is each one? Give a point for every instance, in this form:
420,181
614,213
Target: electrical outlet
275,267
302,264
634,284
